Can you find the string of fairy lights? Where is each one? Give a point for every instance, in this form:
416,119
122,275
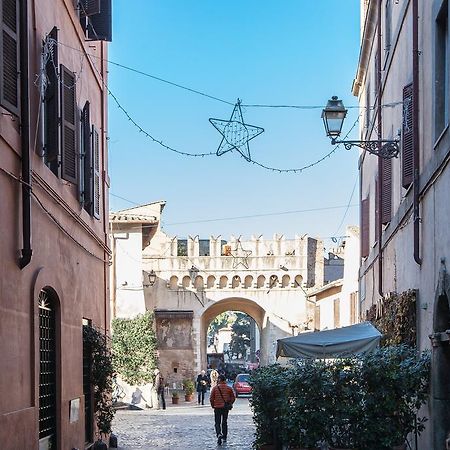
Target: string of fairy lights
151,136
48,56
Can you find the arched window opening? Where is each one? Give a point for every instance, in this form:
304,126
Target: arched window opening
186,281
248,281
298,280
236,281
223,282
261,281
285,281
198,283
173,282
210,281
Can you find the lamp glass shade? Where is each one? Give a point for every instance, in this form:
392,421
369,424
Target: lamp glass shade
152,277
333,116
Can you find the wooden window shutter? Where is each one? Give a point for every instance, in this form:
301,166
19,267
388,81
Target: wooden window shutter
386,190
96,177
353,307
89,7
51,105
86,159
69,152
407,137
9,56
317,317
99,27
365,227
337,313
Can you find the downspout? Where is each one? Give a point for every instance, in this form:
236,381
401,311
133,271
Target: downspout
380,161
415,13
25,136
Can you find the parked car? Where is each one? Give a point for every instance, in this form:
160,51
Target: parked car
241,385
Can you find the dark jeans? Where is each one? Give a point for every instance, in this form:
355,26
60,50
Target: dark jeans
161,400
201,397
221,421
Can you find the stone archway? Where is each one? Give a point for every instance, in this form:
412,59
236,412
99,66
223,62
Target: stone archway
440,384
256,312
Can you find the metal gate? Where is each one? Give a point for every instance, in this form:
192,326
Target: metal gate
47,370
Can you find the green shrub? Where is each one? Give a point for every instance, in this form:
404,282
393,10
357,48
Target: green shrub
134,348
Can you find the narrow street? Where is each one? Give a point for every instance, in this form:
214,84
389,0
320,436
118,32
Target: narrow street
183,426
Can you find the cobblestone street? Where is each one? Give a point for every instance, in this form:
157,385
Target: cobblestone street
184,426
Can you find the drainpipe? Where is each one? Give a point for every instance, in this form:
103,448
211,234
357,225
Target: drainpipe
25,137
416,216
380,161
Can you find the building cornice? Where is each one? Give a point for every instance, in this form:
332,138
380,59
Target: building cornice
366,44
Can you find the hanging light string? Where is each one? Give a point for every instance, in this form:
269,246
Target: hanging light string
308,166
183,153
212,97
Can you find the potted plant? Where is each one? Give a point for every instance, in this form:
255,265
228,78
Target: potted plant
175,397
189,388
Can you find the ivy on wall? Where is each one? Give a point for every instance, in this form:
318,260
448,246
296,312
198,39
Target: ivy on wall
395,317
134,348
102,373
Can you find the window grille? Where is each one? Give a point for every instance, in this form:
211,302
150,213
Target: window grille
47,371
87,390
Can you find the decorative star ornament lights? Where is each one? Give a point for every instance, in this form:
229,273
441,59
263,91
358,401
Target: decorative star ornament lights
240,256
235,133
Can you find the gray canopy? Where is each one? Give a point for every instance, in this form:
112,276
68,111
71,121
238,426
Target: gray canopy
357,338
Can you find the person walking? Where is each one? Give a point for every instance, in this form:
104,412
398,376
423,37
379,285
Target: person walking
202,386
221,399
159,388
214,376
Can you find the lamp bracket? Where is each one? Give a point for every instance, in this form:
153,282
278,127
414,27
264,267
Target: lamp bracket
383,148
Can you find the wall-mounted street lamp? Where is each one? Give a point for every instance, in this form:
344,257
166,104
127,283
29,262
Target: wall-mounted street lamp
333,116
151,278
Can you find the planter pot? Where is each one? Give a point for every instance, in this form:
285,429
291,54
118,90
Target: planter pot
175,400
188,397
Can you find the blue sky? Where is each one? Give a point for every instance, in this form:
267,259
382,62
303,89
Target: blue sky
293,52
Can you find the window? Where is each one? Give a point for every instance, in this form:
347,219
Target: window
441,61
9,56
96,19
47,369
50,104
353,307
407,137
337,313
69,159
386,190
365,227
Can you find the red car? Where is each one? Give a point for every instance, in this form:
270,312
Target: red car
241,385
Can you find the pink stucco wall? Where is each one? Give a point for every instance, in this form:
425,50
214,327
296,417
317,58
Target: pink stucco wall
79,279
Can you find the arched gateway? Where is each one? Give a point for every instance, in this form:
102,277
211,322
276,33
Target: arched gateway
188,282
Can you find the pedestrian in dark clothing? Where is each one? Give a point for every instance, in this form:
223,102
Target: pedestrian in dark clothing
221,396
202,386
159,388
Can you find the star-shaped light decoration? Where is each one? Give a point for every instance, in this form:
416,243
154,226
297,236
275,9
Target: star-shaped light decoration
240,256
236,134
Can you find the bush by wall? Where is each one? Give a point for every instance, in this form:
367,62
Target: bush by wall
134,348
368,401
102,373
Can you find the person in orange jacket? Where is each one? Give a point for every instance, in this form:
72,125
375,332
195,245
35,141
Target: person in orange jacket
221,398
